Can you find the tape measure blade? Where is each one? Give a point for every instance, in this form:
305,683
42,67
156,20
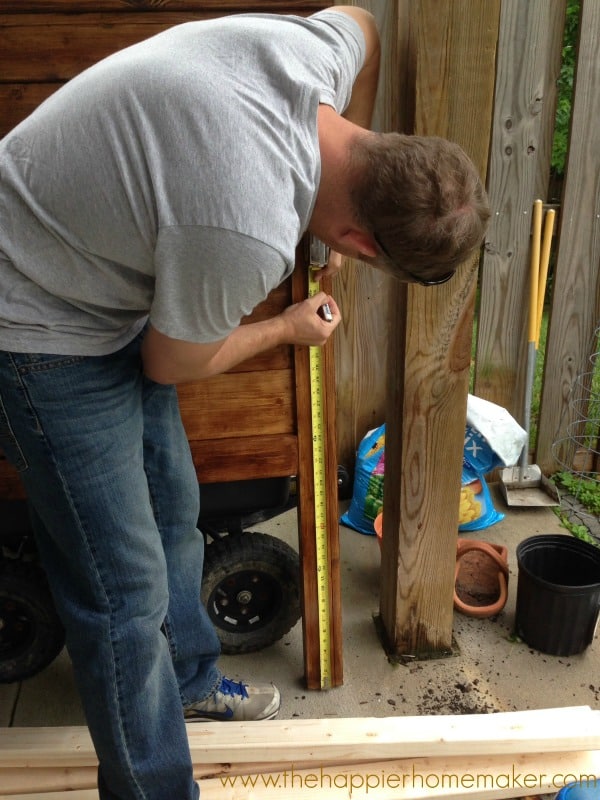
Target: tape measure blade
320,504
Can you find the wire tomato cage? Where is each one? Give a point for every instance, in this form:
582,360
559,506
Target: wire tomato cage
578,452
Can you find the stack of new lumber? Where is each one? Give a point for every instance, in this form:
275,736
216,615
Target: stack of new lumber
479,756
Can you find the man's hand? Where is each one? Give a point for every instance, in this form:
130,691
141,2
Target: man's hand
168,360
306,326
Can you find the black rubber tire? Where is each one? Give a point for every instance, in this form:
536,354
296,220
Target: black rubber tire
31,634
251,589
344,482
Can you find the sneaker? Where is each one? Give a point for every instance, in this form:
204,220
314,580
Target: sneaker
236,701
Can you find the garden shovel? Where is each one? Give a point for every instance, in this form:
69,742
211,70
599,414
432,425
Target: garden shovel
521,485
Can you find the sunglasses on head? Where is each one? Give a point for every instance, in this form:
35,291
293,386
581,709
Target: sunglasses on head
416,278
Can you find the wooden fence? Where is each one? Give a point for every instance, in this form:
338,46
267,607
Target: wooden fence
527,68
529,55
445,66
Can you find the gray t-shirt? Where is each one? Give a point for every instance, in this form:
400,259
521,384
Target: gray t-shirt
173,180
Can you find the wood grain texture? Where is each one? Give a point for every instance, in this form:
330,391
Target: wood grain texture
54,47
454,50
213,6
575,312
18,100
486,757
245,458
529,55
361,292
553,730
477,777
361,355
239,405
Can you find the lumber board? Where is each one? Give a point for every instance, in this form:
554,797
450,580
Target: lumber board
19,780
241,404
40,48
430,331
478,777
54,47
361,739
158,6
18,100
240,459
324,740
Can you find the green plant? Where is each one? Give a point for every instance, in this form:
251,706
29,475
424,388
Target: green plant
565,88
587,492
577,530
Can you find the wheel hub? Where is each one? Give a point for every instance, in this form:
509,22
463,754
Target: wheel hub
246,600
244,597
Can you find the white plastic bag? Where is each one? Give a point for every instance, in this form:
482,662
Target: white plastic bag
501,431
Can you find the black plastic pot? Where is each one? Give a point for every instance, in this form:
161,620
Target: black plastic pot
558,593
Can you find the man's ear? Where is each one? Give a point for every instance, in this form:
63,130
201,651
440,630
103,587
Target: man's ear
360,241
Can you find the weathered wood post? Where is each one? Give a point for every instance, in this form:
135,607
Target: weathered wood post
452,58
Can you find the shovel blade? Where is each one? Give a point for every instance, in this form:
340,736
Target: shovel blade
523,487
521,477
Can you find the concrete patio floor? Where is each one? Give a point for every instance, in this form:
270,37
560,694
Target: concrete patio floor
489,671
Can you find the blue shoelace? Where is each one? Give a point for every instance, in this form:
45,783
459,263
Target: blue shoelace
233,688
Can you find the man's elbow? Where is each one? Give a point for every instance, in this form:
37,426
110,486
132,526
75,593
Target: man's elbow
159,364
159,374
168,361
157,368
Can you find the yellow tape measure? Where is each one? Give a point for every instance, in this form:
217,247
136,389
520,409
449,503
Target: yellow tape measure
322,550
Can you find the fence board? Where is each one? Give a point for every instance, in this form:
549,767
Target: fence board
529,51
362,292
56,47
576,293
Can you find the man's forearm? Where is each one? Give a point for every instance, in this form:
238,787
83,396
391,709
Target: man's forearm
169,360
247,341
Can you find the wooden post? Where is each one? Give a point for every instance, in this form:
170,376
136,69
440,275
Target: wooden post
453,48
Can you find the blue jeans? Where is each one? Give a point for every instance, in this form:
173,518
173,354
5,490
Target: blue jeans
108,472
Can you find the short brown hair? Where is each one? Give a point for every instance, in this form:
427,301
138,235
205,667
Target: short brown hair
422,199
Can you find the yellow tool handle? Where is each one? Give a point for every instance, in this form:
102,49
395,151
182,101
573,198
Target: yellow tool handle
534,270
543,274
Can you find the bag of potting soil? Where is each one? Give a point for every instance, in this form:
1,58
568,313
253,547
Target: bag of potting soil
476,509
501,431
367,494
492,439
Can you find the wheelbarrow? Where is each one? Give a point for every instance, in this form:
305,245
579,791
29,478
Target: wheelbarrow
250,585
